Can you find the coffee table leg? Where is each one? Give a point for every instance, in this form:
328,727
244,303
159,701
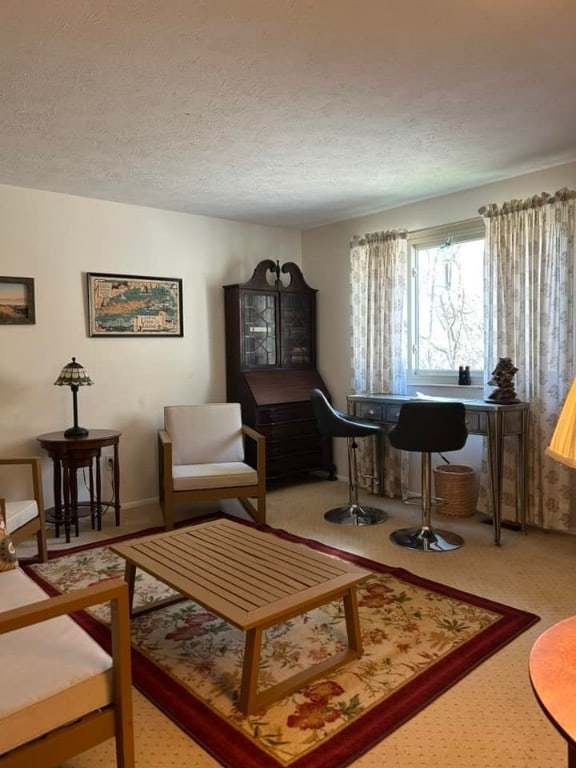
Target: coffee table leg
353,621
249,684
130,579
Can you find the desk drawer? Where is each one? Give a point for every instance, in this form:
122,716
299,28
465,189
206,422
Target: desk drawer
476,422
391,414
384,413
368,411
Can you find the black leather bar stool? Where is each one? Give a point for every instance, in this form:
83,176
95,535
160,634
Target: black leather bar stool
429,427
333,423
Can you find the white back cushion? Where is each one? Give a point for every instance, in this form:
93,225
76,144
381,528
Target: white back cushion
205,434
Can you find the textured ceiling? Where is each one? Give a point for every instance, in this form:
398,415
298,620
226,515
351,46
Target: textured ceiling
284,112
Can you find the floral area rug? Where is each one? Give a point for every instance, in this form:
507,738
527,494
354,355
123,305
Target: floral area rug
419,639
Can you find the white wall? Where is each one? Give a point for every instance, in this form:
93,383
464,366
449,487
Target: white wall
325,263
56,239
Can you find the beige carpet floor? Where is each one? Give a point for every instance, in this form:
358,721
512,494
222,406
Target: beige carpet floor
488,720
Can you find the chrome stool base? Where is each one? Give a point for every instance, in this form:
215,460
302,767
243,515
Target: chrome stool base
354,514
425,539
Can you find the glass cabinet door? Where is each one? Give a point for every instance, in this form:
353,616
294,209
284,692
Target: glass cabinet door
258,313
296,330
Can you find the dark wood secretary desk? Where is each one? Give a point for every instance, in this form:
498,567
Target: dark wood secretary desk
493,420
271,367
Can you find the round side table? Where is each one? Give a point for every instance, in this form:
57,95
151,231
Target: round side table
70,454
553,676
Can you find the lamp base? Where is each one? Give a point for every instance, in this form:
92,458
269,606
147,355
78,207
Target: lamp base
76,432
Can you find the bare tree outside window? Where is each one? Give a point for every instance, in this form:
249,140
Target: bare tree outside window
449,306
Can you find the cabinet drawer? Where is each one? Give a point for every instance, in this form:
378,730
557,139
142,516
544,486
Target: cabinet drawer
295,445
284,413
302,461
282,431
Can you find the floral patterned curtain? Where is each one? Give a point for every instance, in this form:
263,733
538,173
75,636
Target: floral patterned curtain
378,272
530,317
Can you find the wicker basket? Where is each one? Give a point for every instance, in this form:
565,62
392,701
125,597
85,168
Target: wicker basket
456,484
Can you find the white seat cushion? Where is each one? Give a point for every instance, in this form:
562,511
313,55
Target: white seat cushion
188,477
18,513
52,672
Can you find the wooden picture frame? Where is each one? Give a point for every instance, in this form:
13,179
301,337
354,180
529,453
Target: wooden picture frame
17,305
134,305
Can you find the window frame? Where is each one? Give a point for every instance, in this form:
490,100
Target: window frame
458,232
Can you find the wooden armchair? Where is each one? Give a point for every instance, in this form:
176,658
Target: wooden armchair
25,517
201,457
63,693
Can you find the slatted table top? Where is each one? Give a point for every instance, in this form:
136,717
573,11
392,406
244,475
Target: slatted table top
250,578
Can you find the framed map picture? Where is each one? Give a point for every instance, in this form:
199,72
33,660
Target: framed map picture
131,305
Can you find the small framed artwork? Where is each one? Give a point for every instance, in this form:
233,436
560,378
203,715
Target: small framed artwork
17,301
132,305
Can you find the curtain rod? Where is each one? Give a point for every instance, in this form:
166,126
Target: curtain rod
464,222
407,233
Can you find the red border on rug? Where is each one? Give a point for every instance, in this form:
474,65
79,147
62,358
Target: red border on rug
229,746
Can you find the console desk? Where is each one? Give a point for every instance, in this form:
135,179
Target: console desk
493,420
69,454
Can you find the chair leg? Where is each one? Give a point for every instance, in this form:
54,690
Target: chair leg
258,512
425,538
354,513
262,508
42,544
168,513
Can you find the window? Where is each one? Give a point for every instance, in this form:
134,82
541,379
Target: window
446,328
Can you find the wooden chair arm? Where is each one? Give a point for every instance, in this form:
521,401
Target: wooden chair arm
164,463
260,450
35,464
164,438
77,600
20,460
250,432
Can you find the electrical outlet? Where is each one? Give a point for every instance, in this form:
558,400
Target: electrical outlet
109,463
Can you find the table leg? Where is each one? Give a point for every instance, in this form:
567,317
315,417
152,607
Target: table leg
522,470
92,505
116,485
66,479
495,456
249,684
57,495
74,499
353,621
98,494
130,579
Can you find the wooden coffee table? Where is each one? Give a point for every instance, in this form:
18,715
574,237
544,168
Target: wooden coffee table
253,580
